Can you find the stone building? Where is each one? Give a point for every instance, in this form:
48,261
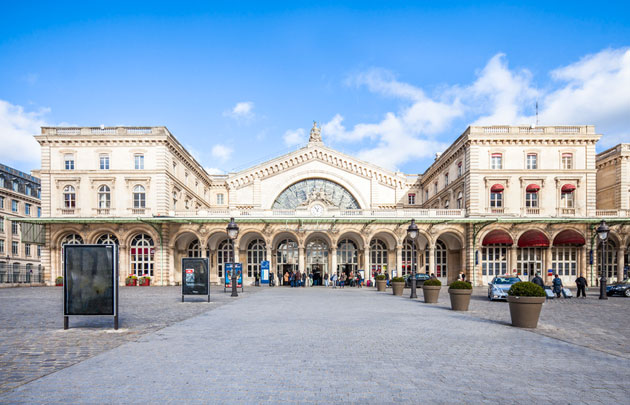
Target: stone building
500,199
19,255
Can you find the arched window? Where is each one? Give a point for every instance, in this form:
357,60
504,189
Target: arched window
139,197
286,256
460,198
194,250
142,252
347,257
378,256
225,254
440,259
69,197
72,239
610,260
409,249
447,203
104,197
107,239
317,256
256,253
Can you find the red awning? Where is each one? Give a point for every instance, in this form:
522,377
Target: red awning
569,237
533,188
497,188
498,237
533,239
568,188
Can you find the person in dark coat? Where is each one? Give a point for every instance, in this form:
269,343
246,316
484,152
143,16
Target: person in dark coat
581,286
538,280
304,279
558,288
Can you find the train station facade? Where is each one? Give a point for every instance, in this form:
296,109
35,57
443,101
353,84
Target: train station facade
500,199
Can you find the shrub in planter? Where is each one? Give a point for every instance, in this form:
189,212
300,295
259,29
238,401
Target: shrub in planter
131,280
398,285
526,300
145,281
59,281
431,290
381,283
460,292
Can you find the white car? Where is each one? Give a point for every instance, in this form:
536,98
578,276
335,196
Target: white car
499,287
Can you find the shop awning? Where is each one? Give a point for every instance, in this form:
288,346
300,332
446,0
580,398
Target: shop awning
568,188
497,237
533,239
497,188
533,188
569,237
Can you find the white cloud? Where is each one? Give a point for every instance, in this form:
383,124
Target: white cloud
241,111
221,152
593,90
214,170
17,128
294,137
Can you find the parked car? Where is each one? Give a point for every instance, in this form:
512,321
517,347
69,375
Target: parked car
420,279
499,287
622,288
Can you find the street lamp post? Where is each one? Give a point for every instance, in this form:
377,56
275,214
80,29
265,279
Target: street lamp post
412,232
602,232
232,232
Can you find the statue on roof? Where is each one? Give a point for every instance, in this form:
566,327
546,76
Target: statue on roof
315,133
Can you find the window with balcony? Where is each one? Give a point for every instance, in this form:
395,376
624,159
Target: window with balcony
460,200
496,196
104,197
138,161
219,199
139,197
68,160
532,161
460,170
411,198
496,161
567,196
104,162
174,200
14,206
567,161
447,204
69,198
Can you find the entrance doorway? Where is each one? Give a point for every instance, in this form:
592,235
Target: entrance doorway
316,269
529,262
286,269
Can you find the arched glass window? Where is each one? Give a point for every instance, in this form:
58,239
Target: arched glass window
107,239
104,197
69,197
347,257
409,248
317,256
304,192
72,239
194,249
142,252
441,258
139,197
256,253
286,257
378,256
225,254
610,260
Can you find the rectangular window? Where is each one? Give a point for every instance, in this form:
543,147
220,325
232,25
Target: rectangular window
1,202
27,249
496,161
104,162
532,161
426,195
567,161
446,180
16,186
39,250
531,200
15,248
496,200
219,199
411,197
435,187
27,190
1,224
39,212
27,209
139,162
68,159
460,169
14,228
14,206
567,200
1,181
1,245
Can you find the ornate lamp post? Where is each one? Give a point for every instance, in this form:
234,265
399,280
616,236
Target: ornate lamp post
412,233
232,232
602,232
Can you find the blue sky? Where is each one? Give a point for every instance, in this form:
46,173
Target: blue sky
237,83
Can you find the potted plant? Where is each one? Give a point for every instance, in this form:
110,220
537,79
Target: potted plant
131,280
460,292
526,300
381,283
145,281
431,290
59,281
398,285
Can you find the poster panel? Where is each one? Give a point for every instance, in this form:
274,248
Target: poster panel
195,276
90,275
264,272
228,275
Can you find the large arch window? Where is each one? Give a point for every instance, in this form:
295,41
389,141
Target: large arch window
256,253
378,256
71,239
194,249
142,252
286,257
139,197
107,239
317,257
610,260
305,191
409,249
104,197
225,254
69,197
347,257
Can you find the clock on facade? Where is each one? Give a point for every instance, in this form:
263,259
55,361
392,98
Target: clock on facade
317,210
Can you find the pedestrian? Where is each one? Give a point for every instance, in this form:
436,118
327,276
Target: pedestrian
304,279
464,277
326,279
558,288
581,286
358,280
333,279
292,279
386,278
538,280
343,280
257,278
433,276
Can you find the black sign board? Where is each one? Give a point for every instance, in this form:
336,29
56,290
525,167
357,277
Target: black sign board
195,277
90,275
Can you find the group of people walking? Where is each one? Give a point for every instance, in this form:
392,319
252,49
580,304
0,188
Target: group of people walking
301,279
557,287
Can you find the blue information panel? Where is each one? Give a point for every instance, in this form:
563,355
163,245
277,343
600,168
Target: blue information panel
228,275
264,272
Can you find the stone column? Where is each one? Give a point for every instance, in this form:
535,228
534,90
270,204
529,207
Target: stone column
513,259
272,268
463,265
366,263
123,262
432,259
333,260
583,263
620,263
301,259
547,264
398,262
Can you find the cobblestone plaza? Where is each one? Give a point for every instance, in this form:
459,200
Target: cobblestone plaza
325,345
